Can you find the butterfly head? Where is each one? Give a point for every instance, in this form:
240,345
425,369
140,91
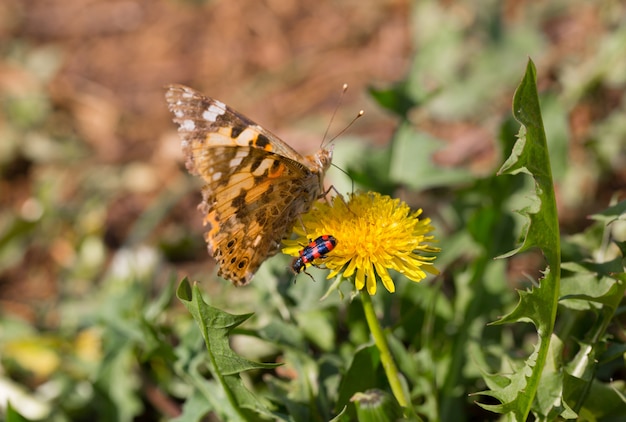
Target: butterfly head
323,159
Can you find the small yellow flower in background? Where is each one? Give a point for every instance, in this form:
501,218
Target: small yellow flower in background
374,233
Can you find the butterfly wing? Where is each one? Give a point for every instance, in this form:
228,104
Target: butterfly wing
250,207
199,117
256,185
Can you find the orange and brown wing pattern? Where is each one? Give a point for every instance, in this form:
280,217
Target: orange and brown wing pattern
256,185
250,207
204,121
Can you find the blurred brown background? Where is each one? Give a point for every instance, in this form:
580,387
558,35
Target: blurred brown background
273,60
88,144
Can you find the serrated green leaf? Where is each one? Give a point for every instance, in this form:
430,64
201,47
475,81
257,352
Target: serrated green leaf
539,305
216,325
507,387
246,400
549,403
224,363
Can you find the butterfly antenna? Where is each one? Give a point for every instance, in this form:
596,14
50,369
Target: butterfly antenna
344,88
359,114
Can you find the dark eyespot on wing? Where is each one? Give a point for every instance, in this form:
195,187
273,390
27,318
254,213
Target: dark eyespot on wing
262,141
236,130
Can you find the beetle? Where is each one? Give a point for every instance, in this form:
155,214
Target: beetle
316,249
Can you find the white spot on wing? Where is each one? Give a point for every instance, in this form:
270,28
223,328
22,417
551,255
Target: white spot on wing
214,110
265,164
257,241
235,161
216,176
187,125
248,135
238,158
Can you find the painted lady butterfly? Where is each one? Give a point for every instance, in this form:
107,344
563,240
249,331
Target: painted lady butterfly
256,184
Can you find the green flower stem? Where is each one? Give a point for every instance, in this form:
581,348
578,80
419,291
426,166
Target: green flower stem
385,354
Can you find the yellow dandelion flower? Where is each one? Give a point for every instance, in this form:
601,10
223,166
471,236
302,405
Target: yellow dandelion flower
374,233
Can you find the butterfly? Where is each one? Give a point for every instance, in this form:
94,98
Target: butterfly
256,186
316,249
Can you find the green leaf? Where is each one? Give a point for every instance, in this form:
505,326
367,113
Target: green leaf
395,99
539,305
224,363
411,161
13,416
194,409
282,333
304,397
368,167
317,325
342,416
361,375
216,325
611,214
591,291
605,402
582,290
118,380
549,403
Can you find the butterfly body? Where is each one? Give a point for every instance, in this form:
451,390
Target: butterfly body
316,249
256,186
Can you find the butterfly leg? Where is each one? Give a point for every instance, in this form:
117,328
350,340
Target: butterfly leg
303,228
334,189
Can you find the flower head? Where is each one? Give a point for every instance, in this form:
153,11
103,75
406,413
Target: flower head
374,233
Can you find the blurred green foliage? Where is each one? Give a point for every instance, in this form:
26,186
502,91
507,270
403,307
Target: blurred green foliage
117,343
